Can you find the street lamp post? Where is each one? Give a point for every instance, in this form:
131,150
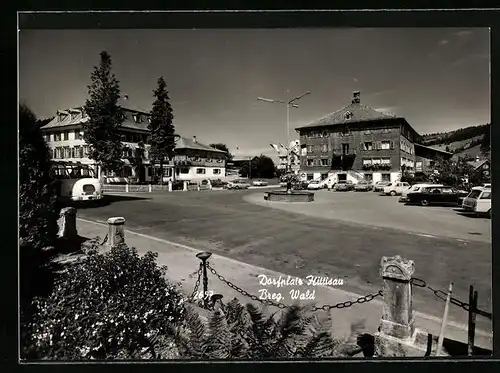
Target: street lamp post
288,104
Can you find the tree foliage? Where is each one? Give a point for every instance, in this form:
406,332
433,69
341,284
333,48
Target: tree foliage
108,306
244,332
161,128
451,172
37,190
261,167
101,131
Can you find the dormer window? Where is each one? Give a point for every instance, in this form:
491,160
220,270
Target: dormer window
149,119
136,118
348,115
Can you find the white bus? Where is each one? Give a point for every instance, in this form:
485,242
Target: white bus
77,182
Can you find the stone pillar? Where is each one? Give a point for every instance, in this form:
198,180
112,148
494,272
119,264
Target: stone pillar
116,233
397,318
170,188
185,187
67,223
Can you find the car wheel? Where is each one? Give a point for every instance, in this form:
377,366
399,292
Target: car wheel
392,193
424,202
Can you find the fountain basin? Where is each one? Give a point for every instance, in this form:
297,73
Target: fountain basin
284,196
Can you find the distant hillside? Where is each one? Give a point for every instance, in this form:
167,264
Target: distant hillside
464,142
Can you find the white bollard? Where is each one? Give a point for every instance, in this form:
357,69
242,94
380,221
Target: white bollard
126,188
170,188
67,223
116,233
185,188
150,188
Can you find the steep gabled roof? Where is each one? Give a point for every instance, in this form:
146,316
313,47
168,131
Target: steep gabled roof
477,164
352,113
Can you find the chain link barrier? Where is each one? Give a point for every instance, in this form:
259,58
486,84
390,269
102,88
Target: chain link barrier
196,284
104,241
326,307
443,295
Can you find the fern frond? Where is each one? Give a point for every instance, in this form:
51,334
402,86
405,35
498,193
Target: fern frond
320,345
197,332
218,343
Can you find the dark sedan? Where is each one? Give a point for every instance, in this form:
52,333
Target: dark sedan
434,196
343,186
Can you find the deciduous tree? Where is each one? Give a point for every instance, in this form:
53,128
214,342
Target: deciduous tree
101,131
161,128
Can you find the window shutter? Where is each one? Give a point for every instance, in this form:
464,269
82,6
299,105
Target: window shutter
392,144
379,145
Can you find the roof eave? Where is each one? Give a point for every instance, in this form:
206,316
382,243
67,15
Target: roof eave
348,122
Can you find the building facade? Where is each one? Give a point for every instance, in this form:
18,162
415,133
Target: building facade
192,160
358,142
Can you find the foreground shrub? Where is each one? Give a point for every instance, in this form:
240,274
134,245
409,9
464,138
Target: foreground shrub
107,306
243,332
38,211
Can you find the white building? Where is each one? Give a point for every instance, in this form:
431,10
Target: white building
192,160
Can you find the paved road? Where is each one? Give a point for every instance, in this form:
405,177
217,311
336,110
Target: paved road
225,223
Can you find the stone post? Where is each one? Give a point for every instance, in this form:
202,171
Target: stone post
116,233
397,317
185,186
170,188
67,224
126,188
150,188
198,187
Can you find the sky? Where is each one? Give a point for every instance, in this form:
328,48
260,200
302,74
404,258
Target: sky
437,78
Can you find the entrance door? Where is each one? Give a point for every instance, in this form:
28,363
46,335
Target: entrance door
141,173
342,177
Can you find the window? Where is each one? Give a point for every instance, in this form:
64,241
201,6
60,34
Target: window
368,145
324,134
368,177
78,135
57,136
310,148
136,118
376,161
217,171
368,132
386,130
347,115
66,135
345,148
486,195
67,152
85,151
324,148
184,170
200,171
78,152
386,160
386,177
324,162
73,152
310,176
310,162
367,162
149,119
385,145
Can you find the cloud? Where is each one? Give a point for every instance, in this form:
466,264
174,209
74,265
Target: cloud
380,93
443,42
470,58
462,33
180,103
355,79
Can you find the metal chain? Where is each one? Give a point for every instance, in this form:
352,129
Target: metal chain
197,284
104,241
244,292
326,307
443,295
346,304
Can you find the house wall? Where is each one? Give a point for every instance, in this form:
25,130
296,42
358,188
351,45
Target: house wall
322,144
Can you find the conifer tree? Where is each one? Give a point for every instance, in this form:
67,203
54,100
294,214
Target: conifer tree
161,129
101,131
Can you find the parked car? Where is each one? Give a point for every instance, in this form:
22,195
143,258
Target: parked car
413,189
380,185
315,185
363,186
430,195
396,188
343,186
238,184
478,201
259,183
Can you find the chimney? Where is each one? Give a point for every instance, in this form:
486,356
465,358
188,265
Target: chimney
194,139
355,97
